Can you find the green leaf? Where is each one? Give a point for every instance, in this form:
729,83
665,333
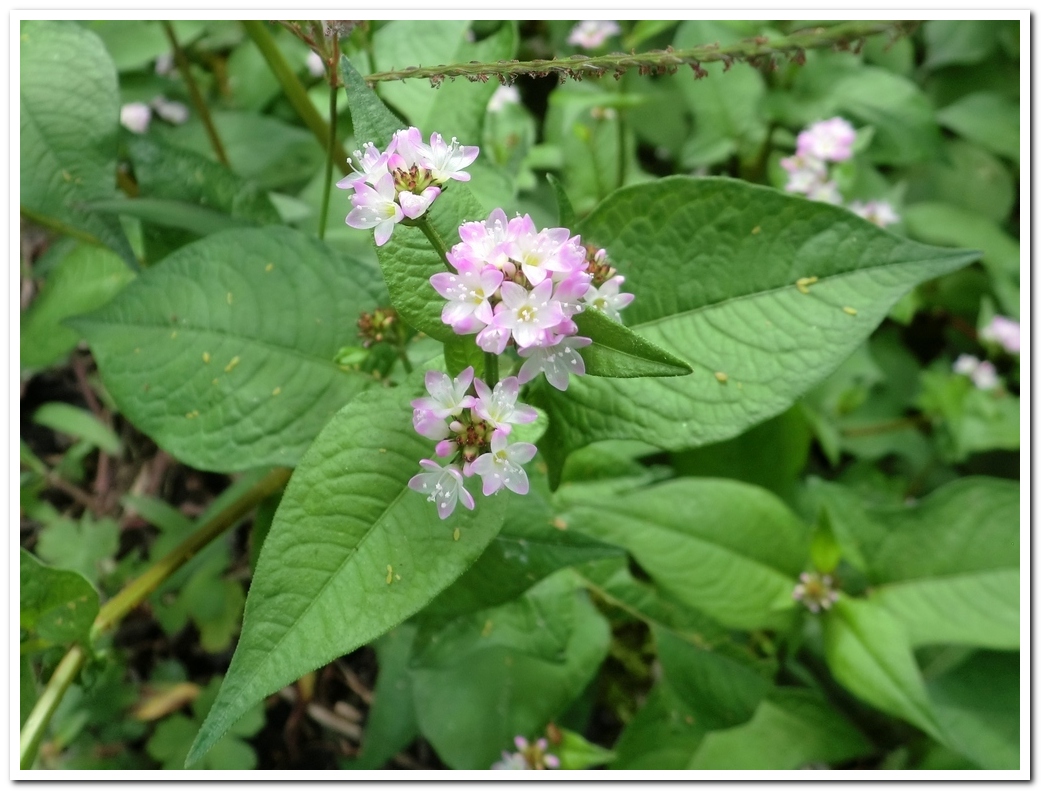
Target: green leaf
727,108
987,119
575,752
968,177
978,704
737,575
528,549
57,607
791,728
373,121
462,352
721,689
956,41
868,653
947,567
85,547
565,211
507,671
28,689
224,353
619,352
86,278
349,537
170,214
663,735
77,422
714,264
391,722
69,123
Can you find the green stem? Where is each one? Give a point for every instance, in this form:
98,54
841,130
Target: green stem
131,596
435,239
295,91
60,227
491,369
327,186
755,50
196,96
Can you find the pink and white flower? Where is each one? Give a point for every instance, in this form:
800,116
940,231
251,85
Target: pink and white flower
499,407
448,396
830,140
504,95
804,173
372,163
502,466
607,298
879,212
375,207
557,361
446,160
136,117
1004,332
528,313
468,309
443,486
982,372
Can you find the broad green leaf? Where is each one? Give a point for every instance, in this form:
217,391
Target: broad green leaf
528,549
391,722
76,422
133,44
224,353
727,107
619,352
576,752
947,567
969,420
56,606
69,126
978,703
663,735
489,682
715,265
987,119
350,538
791,728
86,278
721,689
373,121
942,223
869,654
739,575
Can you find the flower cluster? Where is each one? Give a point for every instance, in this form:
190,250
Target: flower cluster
825,142
815,591
136,116
514,285
471,425
529,756
401,182
982,372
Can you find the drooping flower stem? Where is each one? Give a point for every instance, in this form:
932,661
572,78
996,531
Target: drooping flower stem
760,52
491,369
193,90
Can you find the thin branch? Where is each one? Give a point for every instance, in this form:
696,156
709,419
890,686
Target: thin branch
196,96
759,52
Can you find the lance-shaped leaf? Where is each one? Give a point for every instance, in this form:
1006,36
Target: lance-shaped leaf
69,126
618,351
224,352
352,553
762,294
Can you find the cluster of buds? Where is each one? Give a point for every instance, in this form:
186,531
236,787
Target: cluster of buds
401,182
376,326
815,591
817,146
528,756
1003,332
982,372
516,286
471,423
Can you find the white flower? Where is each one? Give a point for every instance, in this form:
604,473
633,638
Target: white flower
502,467
556,361
499,407
448,396
170,111
370,165
591,34
528,313
446,160
467,292
830,140
135,116
982,372
879,212
374,207
315,64
504,95
607,298
1003,331
443,485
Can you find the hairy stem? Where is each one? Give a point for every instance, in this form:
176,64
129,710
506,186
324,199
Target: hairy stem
435,239
759,51
196,96
295,91
131,596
